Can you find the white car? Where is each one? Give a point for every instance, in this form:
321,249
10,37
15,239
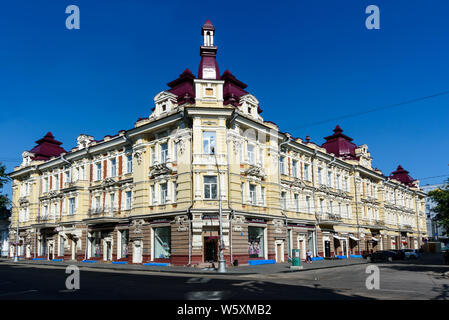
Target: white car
411,254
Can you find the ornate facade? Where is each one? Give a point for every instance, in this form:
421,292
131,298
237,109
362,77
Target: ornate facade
151,194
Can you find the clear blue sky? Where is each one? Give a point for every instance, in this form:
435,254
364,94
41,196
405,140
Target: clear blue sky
306,61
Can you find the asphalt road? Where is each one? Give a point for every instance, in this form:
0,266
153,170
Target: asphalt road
422,279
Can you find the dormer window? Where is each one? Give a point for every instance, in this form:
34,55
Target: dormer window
209,92
249,110
164,108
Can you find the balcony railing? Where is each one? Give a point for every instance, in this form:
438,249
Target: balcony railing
102,211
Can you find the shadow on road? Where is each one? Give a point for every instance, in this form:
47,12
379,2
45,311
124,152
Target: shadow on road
41,284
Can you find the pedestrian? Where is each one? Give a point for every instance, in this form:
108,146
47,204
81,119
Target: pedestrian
309,256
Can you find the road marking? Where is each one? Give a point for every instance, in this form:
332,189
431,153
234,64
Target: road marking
15,293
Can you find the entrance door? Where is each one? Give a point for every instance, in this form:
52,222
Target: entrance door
108,251
327,249
279,252
210,249
345,248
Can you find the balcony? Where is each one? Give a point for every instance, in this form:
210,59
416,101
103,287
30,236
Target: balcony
103,215
209,159
329,218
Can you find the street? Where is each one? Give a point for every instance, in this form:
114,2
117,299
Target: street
420,279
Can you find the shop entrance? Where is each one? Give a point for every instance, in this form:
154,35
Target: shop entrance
210,249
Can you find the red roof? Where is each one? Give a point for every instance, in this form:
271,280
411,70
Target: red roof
47,147
340,144
402,176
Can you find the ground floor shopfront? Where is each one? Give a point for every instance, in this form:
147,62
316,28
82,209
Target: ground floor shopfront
181,239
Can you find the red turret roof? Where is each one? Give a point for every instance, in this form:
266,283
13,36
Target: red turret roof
340,144
47,147
402,176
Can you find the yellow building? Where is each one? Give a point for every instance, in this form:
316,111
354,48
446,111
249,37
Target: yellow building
153,193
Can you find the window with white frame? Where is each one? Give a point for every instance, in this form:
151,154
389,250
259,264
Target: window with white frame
308,204
68,177
164,152
338,186
129,163
252,194
153,156
128,200
56,185
331,204
175,192
209,139
329,178
261,158
250,154
46,184
210,187
320,175
294,168
72,205
98,166
283,200
164,193
113,167
281,165
243,192
152,195
346,184
296,196
262,190
306,172
322,206
97,203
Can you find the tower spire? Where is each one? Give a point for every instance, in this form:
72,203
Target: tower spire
208,68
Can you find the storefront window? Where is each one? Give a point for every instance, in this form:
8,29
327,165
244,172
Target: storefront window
256,242
162,237
124,243
96,245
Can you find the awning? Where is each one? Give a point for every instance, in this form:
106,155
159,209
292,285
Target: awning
374,239
354,238
339,238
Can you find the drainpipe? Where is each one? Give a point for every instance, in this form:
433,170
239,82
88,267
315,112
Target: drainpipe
280,188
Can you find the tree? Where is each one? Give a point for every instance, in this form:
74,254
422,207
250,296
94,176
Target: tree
441,198
4,201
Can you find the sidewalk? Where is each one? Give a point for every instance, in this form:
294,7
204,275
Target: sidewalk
240,270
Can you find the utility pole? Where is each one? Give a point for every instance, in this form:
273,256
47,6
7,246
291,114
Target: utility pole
221,260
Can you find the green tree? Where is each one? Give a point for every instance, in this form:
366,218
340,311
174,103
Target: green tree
441,198
4,201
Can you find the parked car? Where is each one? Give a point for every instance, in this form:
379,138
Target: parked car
382,256
411,254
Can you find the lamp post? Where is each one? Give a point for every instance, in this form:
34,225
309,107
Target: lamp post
221,260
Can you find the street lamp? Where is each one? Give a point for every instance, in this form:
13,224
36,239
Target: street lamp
221,260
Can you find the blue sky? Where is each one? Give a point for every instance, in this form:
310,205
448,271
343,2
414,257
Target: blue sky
306,61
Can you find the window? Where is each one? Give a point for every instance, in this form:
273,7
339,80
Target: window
175,191
162,242
164,193
95,241
209,138
113,167
261,160
331,204
243,192
338,186
98,171
46,184
129,163
164,152
61,246
71,205
97,202
308,204
153,156
281,165
294,168
322,206
263,195
152,195
296,202
112,200
164,108
81,173
128,200
55,210
256,242
283,200
346,184
251,156
56,186
252,194
329,178
320,175
339,209
306,171
210,187
68,178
